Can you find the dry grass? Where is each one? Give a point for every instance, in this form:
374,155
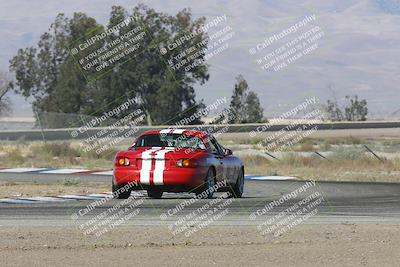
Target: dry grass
54,155
391,145
334,168
11,189
347,160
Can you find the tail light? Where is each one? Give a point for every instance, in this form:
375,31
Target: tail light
187,163
124,161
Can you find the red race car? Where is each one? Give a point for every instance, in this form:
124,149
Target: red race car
177,160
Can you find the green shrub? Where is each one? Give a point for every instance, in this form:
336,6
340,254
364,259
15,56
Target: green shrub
62,150
71,182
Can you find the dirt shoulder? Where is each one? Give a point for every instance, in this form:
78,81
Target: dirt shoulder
13,189
305,245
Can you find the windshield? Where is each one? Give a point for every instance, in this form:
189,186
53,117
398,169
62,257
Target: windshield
170,140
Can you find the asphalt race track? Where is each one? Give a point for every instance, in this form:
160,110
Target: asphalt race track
345,202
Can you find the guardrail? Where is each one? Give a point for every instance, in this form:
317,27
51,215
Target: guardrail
65,134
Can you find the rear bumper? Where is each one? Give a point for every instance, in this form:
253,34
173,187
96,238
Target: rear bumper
174,179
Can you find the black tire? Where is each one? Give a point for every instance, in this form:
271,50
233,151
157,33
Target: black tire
238,188
207,190
120,193
154,193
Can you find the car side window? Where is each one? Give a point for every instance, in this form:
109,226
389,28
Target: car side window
220,148
215,148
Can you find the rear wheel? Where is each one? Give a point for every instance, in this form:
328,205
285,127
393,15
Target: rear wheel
207,189
237,189
154,193
119,192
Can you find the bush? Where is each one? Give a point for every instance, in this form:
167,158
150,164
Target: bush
306,147
295,160
347,153
107,154
71,182
56,150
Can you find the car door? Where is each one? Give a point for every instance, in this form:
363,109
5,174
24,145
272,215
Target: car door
219,159
229,166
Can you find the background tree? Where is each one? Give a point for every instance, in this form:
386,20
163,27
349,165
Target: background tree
238,100
254,111
50,74
5,104
245,106
333,110
46,71
354,110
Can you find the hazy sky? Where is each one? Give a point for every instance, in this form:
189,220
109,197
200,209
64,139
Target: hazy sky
357,54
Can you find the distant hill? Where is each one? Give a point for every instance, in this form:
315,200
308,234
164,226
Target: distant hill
359,54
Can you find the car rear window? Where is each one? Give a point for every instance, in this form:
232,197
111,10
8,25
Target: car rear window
170,140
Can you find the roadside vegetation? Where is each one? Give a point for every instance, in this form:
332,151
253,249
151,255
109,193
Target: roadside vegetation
340,159
12,189
334,168
54,155
331,159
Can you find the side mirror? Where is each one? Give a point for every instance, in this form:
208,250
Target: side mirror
227,152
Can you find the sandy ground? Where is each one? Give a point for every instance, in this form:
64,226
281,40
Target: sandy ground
305,245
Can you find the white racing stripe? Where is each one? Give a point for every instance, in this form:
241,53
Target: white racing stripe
178,131
146,165
174,131
165,131
158,174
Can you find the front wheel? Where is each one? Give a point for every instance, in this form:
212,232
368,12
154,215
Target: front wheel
238,188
